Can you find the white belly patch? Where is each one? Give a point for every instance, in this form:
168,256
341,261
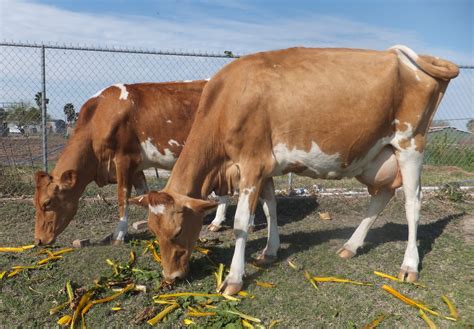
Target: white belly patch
152,157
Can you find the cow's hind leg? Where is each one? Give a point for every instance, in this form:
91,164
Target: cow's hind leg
124,187
410,165
216,223
382,177
139,183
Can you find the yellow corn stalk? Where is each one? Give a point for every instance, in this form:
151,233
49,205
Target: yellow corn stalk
387,276
428,321
376,322
70,293
244,316
116,308
265,284
273,323
201,314
82,303
246,294
310,279
157,257
293,265
16,249
339,280
188,322
229,297
114,266
408,301
65,320
132,259
162,314
49,259
452,309
2,274
14,272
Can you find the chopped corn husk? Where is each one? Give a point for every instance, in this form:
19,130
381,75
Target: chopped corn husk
14,272
407,300
229,297
162,314
219,274
273,323
70,293
82,303
390,277
247,324
2,274
265,284
132,259
65,320
188,322
58,308
428,321
202,250
293,265
244,316
246,294
339,280
107,299
375,322
452,309
155,253
16,249
186,294
116,308
114,266
308,276
24,267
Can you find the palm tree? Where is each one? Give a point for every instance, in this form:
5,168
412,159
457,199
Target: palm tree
70,112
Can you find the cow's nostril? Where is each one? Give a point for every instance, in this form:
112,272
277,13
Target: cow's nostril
38,242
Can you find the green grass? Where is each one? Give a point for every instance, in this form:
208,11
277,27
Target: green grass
447,263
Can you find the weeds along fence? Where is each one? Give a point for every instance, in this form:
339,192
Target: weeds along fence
44,86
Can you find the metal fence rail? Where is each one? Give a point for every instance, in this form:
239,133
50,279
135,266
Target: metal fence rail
40,84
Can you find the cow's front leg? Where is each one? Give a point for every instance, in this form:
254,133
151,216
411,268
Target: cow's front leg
245,209
410,162
124,187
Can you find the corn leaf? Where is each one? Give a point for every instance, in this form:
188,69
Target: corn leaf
49,259
308,276
244,316
339,280
390,277
452,309
247,324
265,284
202,250
16,249
375,322
162,314
408,301
186,294
219,274
246,294
188,322
107,299
201,314
65,320
273,323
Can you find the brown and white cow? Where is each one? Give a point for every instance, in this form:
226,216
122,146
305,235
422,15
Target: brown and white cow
121,130
322,113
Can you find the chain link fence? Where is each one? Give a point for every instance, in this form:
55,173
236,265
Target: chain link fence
34,128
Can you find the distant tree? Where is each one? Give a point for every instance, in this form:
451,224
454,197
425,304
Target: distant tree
39,99
23,115
440,123
470,126
70,112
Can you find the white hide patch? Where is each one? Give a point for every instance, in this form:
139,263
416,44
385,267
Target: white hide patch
402,136
152,157
123,91
407,57
158,209
168,121
172,142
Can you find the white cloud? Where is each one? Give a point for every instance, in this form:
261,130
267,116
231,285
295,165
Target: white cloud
23,20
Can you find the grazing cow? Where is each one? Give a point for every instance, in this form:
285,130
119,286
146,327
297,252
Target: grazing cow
322,113
121,131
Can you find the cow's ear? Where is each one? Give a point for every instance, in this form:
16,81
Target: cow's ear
68,180
41,178
141,200
200,206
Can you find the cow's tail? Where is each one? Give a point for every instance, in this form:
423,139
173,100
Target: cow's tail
433,66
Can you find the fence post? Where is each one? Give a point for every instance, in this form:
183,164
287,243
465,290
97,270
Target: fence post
290,183
44,100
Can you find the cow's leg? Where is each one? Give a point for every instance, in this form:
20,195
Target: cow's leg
410,162
377,204
249,191
124,187
268,200
216,223
139,183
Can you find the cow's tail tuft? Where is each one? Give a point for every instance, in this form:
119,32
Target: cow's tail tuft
436,67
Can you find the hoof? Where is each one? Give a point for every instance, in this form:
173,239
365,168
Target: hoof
251,229
345,253
265,260
230,288
408,276
117,242
214,227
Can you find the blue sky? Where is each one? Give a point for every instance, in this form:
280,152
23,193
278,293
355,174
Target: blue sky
439,27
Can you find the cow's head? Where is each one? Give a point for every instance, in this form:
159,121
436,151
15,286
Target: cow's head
176,220
55,205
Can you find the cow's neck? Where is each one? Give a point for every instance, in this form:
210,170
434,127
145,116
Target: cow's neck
198,168
78,156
